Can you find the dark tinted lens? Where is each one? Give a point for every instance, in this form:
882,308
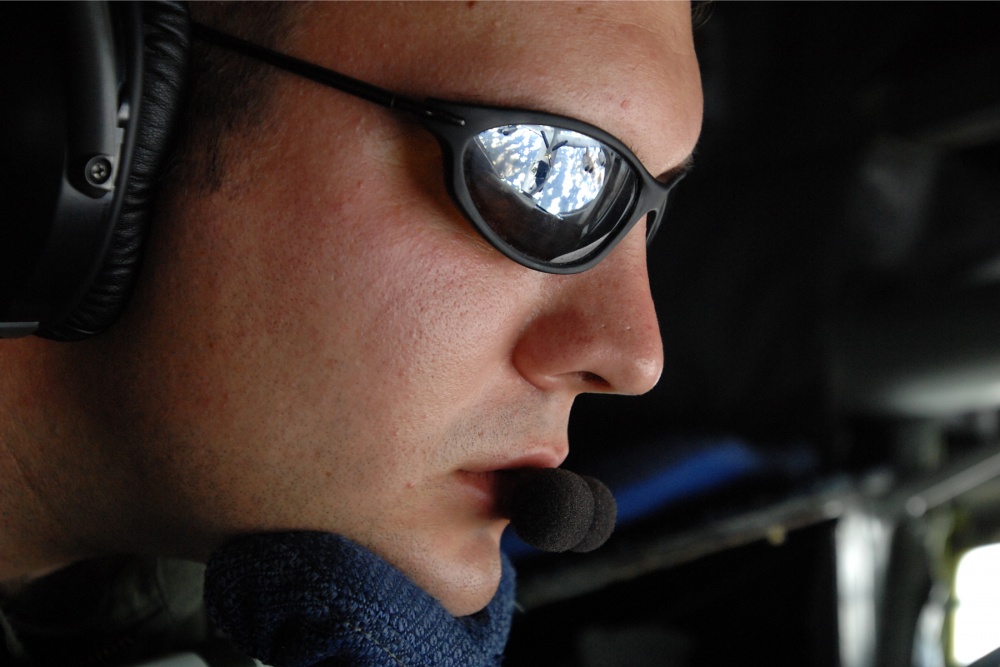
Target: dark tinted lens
552,194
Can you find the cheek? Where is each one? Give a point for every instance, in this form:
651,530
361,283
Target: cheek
386,298
422,306
382,257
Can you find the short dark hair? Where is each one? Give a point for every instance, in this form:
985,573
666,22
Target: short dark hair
701,11
228,95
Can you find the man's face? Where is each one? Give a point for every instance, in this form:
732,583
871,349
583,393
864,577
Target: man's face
326,343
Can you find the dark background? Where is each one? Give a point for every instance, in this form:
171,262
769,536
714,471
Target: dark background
850,155
846,146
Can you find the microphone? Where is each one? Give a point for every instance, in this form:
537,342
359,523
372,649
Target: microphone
556,510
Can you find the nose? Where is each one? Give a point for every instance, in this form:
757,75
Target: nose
596,331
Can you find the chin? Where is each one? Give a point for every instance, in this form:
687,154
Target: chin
472,595
463,580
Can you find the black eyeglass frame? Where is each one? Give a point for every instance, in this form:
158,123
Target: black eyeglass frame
456,125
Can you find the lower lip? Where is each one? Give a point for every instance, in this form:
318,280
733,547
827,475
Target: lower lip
481,489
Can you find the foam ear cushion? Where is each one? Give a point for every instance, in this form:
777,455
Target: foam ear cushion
166,49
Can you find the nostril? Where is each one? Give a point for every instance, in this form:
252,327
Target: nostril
594,380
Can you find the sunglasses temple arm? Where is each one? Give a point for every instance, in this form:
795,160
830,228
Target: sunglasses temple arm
322,75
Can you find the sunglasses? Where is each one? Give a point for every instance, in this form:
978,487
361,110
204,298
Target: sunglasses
552,193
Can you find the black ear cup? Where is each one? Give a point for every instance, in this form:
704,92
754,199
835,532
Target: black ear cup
166,47
91,93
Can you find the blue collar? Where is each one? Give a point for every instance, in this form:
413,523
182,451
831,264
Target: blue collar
301,599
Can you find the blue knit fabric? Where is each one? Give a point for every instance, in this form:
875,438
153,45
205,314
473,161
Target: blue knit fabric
305,599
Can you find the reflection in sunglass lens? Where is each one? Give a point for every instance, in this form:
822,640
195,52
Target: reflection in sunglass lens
552,194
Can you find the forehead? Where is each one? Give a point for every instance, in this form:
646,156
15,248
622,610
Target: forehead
626,67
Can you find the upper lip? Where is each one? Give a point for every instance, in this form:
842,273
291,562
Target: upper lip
549,456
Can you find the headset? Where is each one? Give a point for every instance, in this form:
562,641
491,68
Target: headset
90,96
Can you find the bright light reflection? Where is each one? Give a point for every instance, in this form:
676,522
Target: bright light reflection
977,591
560,170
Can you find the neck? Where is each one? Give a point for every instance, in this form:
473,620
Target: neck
36,460
31,541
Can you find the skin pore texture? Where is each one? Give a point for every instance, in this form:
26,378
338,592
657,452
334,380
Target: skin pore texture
324,342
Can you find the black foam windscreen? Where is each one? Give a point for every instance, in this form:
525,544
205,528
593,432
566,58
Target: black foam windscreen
556,510
603,522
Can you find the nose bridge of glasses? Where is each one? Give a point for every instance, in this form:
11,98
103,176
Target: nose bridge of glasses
661,203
